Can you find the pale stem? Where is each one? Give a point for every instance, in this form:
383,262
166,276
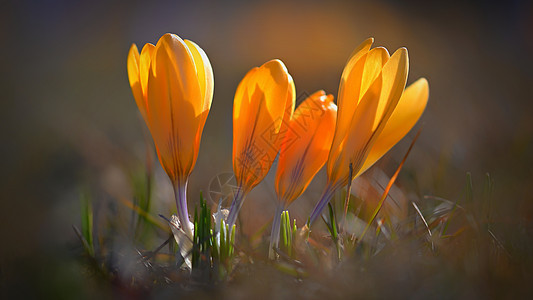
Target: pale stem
180,193
274,235
324,200
236,205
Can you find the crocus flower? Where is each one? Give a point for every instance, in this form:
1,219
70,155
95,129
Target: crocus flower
172,83
374,114
263,105
304,151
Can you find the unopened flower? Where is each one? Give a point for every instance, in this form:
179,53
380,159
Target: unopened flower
172,83
306,146
304,151
264,103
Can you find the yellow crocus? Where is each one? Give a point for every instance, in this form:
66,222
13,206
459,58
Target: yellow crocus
263,105
172,83
374,114
304,151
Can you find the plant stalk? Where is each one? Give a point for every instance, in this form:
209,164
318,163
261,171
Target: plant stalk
274,235
180,193
324,200
236,205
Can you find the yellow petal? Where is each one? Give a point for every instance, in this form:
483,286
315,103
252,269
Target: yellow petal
144,66
375,114
205,73
349,89
394,75
359,134
133,76
408,111
374,62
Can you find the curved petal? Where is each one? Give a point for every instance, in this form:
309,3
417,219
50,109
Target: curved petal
409,109
205,73
287,114
394,75
144,66
273,79
349,89
241,116
374,62
174,55
259,108
359,135
371,114
306,145
134,79
174,102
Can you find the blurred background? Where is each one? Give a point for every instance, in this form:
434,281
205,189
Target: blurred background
69,120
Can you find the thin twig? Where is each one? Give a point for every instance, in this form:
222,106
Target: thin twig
425,224
443,200
499,243
153,253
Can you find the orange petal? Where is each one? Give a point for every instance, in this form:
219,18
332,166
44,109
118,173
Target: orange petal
306,145
259,108
174,102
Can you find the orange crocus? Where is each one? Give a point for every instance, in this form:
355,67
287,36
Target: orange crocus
374,114
304,151
172,83
306,146
263,105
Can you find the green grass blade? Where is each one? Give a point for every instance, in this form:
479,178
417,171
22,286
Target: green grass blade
87,221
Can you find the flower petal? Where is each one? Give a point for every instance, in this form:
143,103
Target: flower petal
394,75
374,62
144,66
408,111
354,147
349,89
134,79
306,145
260,106
205,73
174,101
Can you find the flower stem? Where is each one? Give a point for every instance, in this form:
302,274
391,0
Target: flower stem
274,235
180,193
324,200
236,205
